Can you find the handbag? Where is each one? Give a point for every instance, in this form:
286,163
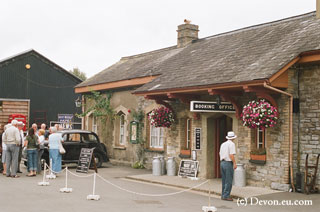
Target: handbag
61,149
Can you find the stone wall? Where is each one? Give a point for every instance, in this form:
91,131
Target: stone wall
123,101
309,132
276,168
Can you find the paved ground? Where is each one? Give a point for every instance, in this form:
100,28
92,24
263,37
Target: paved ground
23,194
214,185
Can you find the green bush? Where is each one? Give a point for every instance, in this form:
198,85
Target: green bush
138,165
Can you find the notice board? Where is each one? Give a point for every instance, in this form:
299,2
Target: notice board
188,168
197,135
84,160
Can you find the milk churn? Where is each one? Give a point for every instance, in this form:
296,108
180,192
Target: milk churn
171,166
239,176
163,165
156,166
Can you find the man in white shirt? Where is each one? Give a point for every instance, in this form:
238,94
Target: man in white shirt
12,141
227,165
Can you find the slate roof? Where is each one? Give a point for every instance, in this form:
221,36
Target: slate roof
13,58
242,55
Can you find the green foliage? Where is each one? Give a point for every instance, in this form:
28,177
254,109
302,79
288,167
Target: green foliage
81,75
138,116
101,107
138,165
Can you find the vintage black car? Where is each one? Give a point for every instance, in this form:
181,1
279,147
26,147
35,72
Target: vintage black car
74,140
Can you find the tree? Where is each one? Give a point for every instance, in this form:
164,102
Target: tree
81,75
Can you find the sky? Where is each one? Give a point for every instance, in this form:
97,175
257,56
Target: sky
94,34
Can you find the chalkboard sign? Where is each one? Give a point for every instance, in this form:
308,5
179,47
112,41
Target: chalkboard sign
188,168
84,160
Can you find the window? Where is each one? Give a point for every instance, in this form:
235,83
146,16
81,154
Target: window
157,137
122,130
73,137
260,139
94,124
188,137
89,138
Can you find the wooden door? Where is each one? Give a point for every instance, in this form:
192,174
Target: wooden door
222,126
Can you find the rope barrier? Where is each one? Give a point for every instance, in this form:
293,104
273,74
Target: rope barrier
44,182
97,197
62,170
151,195
84,176
66,189
93,196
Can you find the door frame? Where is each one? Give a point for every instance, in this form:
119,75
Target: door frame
217,142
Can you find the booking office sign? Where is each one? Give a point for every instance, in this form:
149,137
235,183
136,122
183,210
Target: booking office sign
201,106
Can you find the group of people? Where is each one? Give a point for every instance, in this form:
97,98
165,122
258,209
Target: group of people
14,141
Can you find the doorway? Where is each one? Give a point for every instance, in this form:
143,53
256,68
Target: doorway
223,124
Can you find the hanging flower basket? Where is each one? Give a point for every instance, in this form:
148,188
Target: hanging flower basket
161,117
259,114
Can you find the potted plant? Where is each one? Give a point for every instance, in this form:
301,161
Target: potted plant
258,154
161,117
259,114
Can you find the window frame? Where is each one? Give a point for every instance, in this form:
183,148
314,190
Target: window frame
122,135
94,125
188,139
260,144
160,133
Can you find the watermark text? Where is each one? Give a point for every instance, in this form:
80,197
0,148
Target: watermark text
254,201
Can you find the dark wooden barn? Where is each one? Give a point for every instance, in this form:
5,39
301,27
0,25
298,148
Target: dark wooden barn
48,86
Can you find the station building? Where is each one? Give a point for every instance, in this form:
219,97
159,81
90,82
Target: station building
276,61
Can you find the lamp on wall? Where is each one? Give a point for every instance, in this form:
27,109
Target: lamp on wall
78,102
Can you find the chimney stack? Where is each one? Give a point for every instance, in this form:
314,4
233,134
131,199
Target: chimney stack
187,33
318,9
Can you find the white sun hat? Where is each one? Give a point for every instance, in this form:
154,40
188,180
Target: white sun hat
231,135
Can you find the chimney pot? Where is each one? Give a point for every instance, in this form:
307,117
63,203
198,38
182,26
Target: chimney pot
187,33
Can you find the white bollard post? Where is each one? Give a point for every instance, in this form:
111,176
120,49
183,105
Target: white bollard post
44,183
93,196
51,175
209,208
66,189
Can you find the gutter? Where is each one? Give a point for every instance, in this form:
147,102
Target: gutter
290,129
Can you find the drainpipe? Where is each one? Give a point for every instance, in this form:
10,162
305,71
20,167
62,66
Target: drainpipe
290,128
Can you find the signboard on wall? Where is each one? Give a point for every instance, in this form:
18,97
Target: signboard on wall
200,106
65,117
65,120
134,132
197,140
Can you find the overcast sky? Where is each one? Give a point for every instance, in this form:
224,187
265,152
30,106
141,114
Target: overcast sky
94,34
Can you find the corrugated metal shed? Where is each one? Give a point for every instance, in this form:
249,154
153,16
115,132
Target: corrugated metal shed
48,86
